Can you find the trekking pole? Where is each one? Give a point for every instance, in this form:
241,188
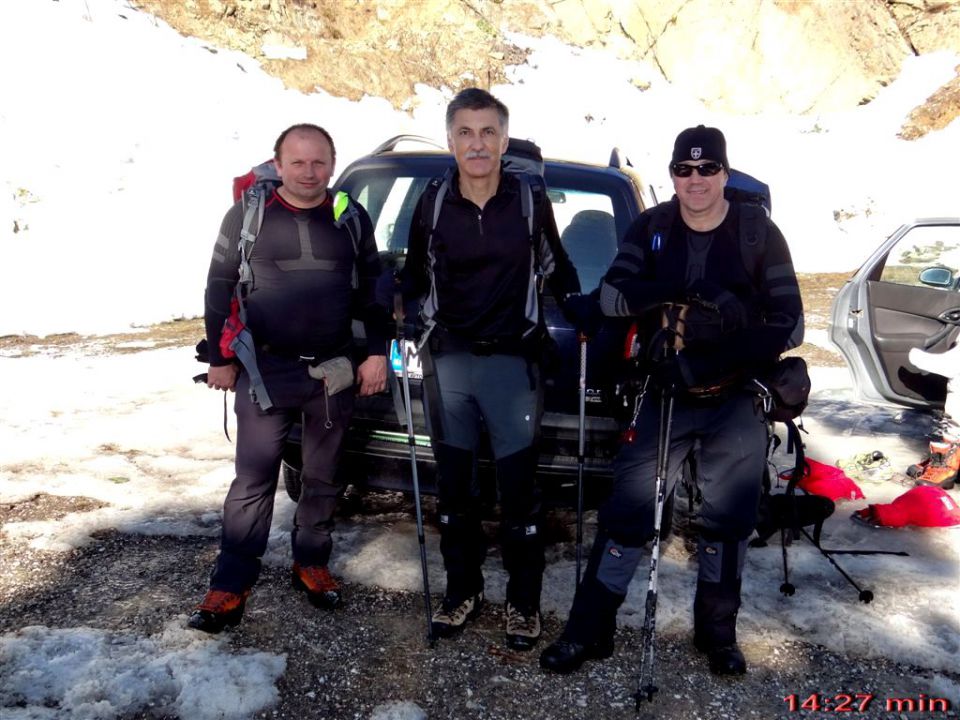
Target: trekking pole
645,686
412,442
581,431
786,587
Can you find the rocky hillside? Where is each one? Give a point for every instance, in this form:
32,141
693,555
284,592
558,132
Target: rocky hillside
797,56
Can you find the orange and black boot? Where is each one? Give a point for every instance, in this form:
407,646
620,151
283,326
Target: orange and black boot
218,610
322,590
942,467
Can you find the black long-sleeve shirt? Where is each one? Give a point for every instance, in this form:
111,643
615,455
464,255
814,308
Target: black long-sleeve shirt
302,300
642,278
478,273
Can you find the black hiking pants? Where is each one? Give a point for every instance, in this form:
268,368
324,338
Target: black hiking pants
728,440
261,437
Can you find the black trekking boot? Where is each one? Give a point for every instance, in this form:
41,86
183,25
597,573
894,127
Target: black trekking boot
590,627
566,656
724,660
717,603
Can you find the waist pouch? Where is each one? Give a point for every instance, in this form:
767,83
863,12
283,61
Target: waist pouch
336,373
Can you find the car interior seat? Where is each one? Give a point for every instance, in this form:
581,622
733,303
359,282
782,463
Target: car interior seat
591,242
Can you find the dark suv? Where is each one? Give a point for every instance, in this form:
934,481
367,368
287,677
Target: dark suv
594,205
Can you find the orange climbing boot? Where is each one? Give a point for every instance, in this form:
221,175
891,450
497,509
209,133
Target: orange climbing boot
942,467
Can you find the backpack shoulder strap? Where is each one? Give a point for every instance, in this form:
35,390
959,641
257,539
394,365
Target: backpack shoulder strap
438,187
345,214
661,220
533,191
753,239
533,194
253,201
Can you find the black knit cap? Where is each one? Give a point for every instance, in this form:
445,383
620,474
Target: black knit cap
701,143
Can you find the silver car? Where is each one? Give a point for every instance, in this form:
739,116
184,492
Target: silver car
906,295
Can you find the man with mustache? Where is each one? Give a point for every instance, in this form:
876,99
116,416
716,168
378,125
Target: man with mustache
473,266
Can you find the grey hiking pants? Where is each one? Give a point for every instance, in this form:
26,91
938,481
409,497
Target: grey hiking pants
504,395
261,437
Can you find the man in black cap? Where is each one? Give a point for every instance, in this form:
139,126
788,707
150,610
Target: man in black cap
713,316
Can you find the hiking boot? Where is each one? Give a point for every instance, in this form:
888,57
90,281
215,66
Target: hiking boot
218,610
322,590
724,660
453,614
941,470
523,629
565,656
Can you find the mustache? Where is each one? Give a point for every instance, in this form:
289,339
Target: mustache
477,154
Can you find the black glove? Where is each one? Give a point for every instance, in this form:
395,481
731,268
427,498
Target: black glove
584,313
731,314
669,371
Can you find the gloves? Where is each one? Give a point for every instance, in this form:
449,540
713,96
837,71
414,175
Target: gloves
730,313
584,313
669,371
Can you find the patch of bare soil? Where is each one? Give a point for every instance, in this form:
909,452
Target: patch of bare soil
817,290
354,49
45,507
384,48
938,111
175,333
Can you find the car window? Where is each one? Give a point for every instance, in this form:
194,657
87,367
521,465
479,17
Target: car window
390,200
921,250
588,231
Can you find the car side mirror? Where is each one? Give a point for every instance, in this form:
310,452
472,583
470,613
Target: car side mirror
938,277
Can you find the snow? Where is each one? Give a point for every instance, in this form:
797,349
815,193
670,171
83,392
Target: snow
116,153
98,675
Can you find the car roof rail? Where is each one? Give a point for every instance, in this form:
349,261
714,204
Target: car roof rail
619,160
392,143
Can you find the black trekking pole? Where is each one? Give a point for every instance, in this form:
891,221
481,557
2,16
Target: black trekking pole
412,442
645,685
581,431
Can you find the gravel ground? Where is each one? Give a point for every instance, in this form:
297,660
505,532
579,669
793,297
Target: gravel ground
372,651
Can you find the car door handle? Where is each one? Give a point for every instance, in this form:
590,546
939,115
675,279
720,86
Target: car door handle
950,316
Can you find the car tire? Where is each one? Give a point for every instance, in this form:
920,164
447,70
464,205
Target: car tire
291,480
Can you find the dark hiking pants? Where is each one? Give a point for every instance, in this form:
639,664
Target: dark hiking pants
728,440
261,436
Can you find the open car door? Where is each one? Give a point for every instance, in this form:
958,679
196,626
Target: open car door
906,295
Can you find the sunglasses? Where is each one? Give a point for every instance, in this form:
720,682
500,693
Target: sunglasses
708,169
